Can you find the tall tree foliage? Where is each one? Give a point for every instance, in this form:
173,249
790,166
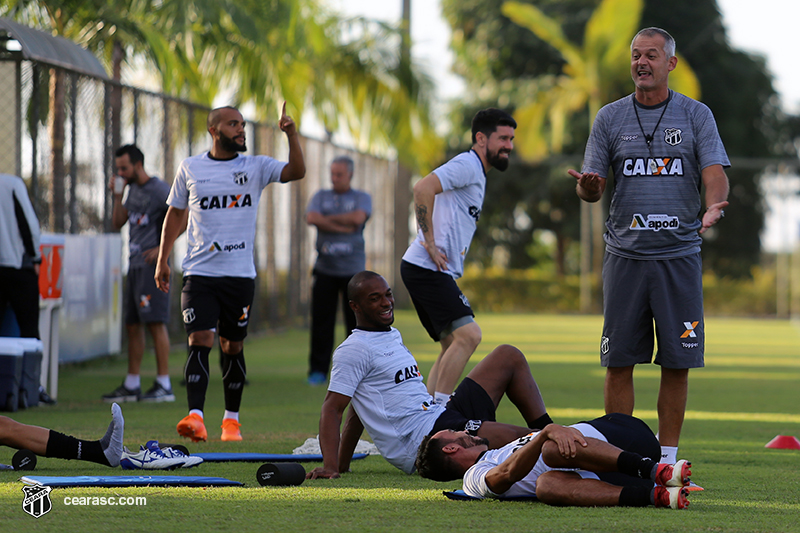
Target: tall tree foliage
268,51
593,74
738,89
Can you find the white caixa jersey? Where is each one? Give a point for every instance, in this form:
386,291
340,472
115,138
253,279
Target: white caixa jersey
456,211
377,371
222,198
475,478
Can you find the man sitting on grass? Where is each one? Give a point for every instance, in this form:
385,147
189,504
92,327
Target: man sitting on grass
560,465
373,369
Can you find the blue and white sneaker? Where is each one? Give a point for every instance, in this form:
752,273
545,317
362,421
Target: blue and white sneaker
150,457
188,460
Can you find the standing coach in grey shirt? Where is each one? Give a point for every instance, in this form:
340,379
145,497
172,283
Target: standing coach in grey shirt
339,215
663,148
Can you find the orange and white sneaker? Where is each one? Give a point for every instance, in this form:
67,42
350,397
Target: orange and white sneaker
672,497
676,475
192,427
230,430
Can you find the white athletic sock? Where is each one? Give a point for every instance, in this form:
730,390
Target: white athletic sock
133,381
164,381
198,412
231,414
669,454
441,397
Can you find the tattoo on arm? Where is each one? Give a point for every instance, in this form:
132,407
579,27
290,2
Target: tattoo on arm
422,215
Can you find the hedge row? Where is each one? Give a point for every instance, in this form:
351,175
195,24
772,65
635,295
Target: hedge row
535,291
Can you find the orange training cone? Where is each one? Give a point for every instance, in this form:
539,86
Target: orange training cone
784,442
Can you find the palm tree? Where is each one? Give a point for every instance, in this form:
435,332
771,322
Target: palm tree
104,27
594,73
290,50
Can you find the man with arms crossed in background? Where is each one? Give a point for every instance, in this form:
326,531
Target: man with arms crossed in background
662,146
339,214
448,203
220,189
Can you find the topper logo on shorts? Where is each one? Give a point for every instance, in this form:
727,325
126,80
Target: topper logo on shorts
690,329
245,317
654,166
463,299
225,201
654,222
409,372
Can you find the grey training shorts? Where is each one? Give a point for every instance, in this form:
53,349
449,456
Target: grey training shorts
142,301
637,293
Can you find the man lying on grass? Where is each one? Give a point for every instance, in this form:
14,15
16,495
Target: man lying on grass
373,369
563,465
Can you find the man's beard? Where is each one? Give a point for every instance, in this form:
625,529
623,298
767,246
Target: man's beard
500,163
471,441
230,145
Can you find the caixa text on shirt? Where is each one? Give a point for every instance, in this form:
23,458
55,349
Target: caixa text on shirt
409,372
226,201
653,166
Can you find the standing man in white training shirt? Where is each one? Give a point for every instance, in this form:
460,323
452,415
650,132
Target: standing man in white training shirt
447,204
220,189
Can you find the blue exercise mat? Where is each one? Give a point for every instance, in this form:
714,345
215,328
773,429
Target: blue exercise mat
222,457
130,481
461,495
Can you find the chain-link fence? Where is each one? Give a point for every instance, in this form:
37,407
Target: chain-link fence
67,129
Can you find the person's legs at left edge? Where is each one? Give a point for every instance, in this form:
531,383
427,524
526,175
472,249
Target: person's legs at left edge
49,443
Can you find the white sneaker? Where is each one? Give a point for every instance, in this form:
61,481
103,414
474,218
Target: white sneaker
188,460
150,457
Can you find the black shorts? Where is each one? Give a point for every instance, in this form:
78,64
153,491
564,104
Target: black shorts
143,302
207,301
469,403
629,434
440,304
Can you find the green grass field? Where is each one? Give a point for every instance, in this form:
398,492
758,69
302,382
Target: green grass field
746,395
